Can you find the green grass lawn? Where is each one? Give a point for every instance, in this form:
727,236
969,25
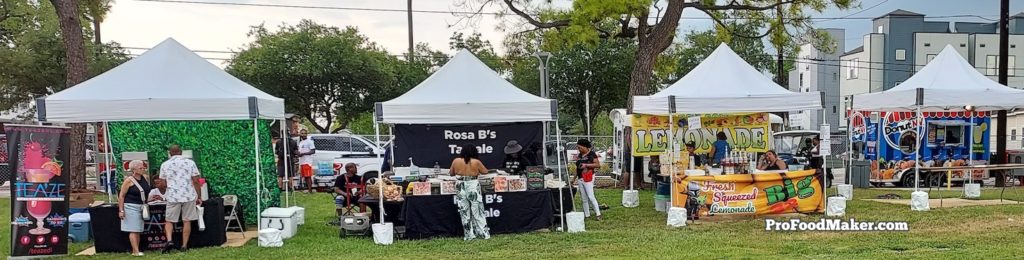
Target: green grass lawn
995,232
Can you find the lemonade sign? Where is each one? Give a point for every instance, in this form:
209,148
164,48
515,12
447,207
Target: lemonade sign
753,194
743,131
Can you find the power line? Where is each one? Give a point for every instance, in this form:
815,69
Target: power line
985,17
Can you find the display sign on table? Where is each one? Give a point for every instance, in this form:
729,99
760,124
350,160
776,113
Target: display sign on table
429,144
39,190
743,131
753,194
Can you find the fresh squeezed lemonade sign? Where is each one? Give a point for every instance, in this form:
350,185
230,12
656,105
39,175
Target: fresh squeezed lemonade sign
753,194
743,131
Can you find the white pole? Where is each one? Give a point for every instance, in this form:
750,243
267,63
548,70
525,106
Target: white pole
106,159
561,199
849,146
259,184
824,158
917,150
970,148
587,101
380,176
284,159
672,161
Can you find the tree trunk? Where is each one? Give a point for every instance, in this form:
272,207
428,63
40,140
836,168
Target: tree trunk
96,31
652,41
640,77
74,47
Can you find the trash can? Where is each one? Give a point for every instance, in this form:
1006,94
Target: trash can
661,196
78,230
860,174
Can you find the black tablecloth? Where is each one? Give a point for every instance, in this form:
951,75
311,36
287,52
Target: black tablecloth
106,228
507,212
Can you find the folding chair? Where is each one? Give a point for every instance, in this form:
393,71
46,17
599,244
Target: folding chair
232,200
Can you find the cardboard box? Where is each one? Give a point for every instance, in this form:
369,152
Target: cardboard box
80,199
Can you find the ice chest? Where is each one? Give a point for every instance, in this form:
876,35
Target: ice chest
280,218
300,215
78,230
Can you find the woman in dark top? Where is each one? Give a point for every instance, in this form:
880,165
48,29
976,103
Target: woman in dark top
130,202
771,162
585,166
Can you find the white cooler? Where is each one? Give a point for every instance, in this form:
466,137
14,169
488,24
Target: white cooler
281,219
300,215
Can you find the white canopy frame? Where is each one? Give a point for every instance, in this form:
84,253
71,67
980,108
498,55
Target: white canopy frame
153,87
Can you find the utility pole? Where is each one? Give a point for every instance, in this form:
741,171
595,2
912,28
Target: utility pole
780,71
1004,43
412,52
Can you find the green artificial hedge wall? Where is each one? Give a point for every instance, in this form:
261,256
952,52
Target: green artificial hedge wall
223,150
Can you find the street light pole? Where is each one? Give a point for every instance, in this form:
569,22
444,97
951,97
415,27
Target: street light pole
542,69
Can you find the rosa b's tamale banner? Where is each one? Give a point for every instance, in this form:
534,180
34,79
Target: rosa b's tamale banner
742,131
752,194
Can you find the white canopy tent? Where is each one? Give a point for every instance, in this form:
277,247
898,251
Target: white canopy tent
725,83
465,90
167,83
946,84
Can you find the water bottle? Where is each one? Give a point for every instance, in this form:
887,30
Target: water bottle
437,169
413,169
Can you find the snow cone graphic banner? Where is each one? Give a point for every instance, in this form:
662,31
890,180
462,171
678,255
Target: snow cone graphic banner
39,190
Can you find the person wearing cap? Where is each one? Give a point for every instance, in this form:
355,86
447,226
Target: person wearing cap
514,161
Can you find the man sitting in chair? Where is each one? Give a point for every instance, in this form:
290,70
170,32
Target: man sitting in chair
347,188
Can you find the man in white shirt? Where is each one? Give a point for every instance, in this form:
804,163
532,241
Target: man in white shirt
182,196
306,151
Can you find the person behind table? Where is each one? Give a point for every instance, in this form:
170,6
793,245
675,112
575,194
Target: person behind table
130,203
533,154
691,147
348,187
468,197
182,195
156,195
654,170
586,164
817,161
305,153
514,161
285,164
719,149
770,161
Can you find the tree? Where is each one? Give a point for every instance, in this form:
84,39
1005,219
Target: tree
697,46
596,69
587,21
96,11
322,72
479,47
74,50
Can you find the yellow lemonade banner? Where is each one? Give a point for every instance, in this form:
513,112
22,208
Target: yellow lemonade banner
753,194
743,131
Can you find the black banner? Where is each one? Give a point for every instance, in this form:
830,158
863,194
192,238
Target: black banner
506,212
428,144
39,189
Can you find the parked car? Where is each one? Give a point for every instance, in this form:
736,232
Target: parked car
333,151
789,143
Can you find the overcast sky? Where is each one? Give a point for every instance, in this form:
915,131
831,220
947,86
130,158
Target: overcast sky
223,27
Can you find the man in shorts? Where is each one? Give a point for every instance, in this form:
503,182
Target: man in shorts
306,151
285,161
182,195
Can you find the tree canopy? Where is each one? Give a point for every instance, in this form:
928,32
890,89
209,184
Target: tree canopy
322,72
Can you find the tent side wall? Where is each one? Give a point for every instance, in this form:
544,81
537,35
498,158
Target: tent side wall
223,150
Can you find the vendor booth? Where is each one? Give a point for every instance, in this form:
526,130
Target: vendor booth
724,94
948,86
465,102
169,95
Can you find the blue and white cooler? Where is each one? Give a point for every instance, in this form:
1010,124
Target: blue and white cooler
78,230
